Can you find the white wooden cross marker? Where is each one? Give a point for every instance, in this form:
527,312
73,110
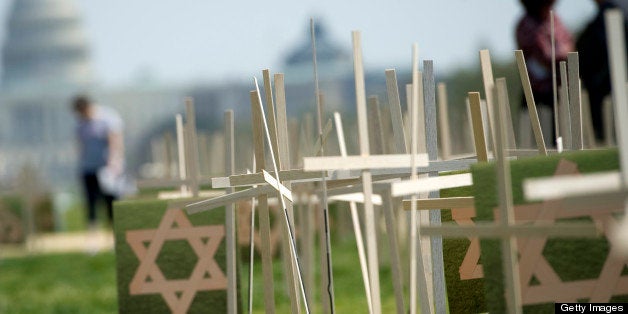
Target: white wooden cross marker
505,229
288,223
527,89
366,174
431,128
232,295
575,102
284,163
273,184
601,186
355,219
189,178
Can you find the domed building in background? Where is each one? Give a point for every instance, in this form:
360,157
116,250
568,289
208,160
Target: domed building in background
334,67
45,61
45,45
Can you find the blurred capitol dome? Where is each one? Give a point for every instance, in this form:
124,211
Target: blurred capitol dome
44,46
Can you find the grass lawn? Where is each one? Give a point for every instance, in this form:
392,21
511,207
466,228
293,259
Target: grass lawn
348,286
62,283
79,283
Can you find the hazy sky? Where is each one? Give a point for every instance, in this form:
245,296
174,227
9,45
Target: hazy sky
194,40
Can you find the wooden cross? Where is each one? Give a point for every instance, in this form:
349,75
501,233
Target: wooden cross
366,174
375,164
30,190
443,119
606,189
505,228
230,223
527,89
189,179
280,154
273,184
575,104
563,110
356,220
598,183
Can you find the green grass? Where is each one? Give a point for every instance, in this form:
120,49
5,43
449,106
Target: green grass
64,283
348,287
572,259
79,283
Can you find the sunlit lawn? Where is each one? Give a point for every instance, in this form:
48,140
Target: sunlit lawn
80,283
63,283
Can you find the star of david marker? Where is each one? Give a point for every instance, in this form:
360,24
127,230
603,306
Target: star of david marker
504,228
600,189
206,275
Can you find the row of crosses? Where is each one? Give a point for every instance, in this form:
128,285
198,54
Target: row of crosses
405,178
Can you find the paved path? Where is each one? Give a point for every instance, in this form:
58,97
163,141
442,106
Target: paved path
88,242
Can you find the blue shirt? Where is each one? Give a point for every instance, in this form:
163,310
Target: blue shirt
93,136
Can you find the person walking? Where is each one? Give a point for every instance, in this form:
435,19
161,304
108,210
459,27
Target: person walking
101,153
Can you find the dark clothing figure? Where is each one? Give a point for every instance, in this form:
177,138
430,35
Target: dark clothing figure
93,193
533,36
534,39
594,68
98,132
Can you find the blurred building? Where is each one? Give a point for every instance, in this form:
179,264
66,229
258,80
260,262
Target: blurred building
46,61
334,69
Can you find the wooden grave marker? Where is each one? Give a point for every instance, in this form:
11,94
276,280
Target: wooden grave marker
504,229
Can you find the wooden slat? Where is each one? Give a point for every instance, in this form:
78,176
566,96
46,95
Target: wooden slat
507,217
575,103
181,150
554,81
377,137
588,132
283,191
278,127
564,115
395,264
443,119
363,135
168,183
527,90
355,218
318,145
258,178
369,217
264,213
442,203
609,123
419,282
394,103
430,184
215,202
478,126
293,258
489,85
491,230
361,162
407,118
270,107
192,165
558,187
230,222
327,283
